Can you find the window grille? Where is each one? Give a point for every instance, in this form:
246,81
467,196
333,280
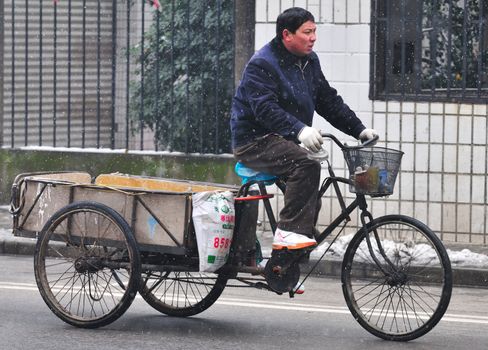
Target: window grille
429,50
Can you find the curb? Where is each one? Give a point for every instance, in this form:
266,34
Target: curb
470,277
18,246
462,276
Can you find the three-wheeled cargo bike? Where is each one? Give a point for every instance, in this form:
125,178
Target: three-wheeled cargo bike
101,241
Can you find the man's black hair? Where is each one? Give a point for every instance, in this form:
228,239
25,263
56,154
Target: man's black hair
292,19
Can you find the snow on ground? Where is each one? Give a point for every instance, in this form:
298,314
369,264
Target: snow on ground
466,257
119,151
4,232
463,258
422,252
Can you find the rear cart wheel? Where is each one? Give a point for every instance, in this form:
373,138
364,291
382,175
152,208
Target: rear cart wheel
396,278
87,265
182,293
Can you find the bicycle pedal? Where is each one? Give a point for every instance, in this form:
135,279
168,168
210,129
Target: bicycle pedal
282,271
298,254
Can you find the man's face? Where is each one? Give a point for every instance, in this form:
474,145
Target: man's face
301,42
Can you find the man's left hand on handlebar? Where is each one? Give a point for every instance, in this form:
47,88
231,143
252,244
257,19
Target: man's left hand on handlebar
368,134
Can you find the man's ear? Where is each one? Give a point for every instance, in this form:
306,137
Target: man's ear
286,34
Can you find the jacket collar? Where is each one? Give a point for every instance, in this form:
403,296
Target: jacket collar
286,58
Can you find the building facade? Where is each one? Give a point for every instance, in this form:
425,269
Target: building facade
443,178
415,70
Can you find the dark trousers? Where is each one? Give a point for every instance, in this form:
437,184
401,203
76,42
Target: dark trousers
274,155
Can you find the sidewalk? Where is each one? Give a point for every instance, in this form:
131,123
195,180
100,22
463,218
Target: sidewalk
9,244
469,264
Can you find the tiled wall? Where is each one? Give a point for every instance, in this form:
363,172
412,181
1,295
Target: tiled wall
443,179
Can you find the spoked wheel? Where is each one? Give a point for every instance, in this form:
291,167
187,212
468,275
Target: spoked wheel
397,278
181,293
87,265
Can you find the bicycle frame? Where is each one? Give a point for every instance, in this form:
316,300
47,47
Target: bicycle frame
359,201
333,180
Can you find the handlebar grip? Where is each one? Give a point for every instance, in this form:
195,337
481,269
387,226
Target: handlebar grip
370,142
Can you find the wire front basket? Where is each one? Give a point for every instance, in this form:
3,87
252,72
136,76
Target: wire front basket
373,170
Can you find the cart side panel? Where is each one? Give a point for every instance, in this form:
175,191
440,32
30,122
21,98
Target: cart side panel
157,218
118,201
165,210
35,213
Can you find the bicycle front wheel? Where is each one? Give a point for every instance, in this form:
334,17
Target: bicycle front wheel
396,278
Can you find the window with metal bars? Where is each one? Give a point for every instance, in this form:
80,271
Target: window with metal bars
429,50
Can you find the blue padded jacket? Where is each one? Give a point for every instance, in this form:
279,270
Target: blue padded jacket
279,93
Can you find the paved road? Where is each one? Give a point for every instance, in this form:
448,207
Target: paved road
241,319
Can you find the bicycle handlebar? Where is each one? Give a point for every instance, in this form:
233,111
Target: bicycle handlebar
368,143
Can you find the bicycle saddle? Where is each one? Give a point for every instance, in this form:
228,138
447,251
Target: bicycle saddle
248,174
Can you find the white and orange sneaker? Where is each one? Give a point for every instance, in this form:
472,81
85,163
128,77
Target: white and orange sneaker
291,240
299,288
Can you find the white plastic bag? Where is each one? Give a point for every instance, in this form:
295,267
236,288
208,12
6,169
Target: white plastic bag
213,217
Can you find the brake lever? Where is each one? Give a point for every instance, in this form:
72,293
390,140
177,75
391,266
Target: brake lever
369,142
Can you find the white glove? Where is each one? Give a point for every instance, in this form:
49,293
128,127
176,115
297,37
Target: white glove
368,134
311,138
